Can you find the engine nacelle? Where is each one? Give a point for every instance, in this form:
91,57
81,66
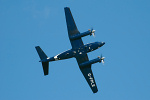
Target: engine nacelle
78,36
84,64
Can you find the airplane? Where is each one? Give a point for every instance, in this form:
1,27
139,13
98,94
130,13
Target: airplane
78,51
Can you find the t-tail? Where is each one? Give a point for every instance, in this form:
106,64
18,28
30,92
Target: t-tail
43,57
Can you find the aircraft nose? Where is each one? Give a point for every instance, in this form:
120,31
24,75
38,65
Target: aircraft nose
103,43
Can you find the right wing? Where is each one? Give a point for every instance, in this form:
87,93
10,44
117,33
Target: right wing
72,28
87,72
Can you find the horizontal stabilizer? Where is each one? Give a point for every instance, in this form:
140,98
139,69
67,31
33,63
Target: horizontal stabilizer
43,56
45,67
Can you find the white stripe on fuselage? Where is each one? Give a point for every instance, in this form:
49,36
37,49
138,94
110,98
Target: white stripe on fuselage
56,57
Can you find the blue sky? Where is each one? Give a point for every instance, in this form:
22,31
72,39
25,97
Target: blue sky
124,25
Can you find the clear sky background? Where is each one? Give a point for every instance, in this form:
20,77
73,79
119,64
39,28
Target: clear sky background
124,25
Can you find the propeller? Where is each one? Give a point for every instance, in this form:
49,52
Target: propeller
102,59
92,32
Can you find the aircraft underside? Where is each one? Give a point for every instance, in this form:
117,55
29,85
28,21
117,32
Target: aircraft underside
79,51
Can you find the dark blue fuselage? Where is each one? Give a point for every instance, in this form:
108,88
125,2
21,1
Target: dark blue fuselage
77,51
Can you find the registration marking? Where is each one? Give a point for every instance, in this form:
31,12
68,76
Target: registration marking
91,80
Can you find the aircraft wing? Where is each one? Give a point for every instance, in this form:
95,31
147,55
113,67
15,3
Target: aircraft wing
72,28
87,72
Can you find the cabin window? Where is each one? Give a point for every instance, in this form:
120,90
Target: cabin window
67,54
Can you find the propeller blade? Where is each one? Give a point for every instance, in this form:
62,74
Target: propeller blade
103,61
93,32
101,56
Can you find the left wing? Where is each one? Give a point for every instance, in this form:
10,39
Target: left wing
71,25
72,28
87,72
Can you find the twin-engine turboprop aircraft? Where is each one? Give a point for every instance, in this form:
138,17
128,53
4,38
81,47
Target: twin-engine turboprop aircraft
78,51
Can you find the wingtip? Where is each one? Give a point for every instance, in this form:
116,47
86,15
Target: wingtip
95,91
45,74
66,8
37,46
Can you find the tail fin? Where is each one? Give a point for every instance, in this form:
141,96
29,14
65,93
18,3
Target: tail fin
43,56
